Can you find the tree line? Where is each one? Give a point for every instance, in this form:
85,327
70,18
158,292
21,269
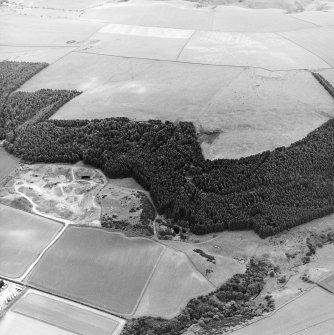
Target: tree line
268,192
231,301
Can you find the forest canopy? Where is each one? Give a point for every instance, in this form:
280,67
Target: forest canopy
268,192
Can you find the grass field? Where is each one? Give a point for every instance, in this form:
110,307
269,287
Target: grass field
65,315
35,54
319,41
7,163
269,51
101,268
248,111
224,267
13,323
36,31
174,282
23,237
312,313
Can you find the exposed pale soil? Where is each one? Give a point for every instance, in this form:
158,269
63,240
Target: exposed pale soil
55,191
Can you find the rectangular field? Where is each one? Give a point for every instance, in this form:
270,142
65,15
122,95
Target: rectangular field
263,50
13,323
174,282
42,31
23,237
138,42
65,315
319,41
97,267
312,313
7,163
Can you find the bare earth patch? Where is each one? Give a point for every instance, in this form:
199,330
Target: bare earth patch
57,191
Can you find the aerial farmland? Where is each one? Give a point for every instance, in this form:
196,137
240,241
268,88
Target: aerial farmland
166,167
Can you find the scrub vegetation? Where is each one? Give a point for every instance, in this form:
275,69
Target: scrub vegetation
229,304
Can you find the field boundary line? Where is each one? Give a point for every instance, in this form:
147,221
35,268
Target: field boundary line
38,46
51,293
220,90
83,301
54,240
204,64
134,310
303,20
185,44
273,312
190,261
42,294
313,325
303,47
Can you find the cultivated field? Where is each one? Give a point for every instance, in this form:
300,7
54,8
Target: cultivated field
101,268
174,281
223,268
319,41
312,313
252,20
13,323
56,191
23,237
242,75
36,54
269,51
31,31
232,250
238,112
7,163
66,315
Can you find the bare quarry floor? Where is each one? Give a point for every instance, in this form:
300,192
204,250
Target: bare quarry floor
55,191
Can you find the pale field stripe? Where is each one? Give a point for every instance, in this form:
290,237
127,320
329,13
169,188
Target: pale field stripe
123,29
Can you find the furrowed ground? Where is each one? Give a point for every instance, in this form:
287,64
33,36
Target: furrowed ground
267,192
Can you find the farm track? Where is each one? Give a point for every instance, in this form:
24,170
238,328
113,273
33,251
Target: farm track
36,288
67,223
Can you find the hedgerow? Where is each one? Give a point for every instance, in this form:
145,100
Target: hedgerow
231,301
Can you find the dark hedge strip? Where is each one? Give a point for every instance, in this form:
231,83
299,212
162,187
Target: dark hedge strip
14,74
325,83
230,302
21,107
